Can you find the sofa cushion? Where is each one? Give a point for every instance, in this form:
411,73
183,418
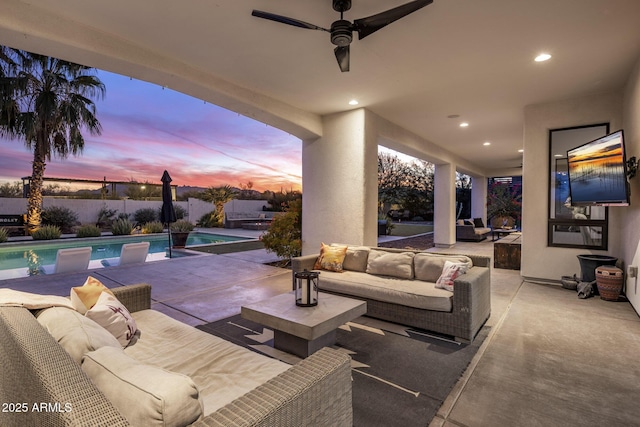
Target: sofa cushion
428,266
223,371
145,395
356,257
478,222
450,272
84,297
112,315
481,230
76,333
392,264
411,293
330,258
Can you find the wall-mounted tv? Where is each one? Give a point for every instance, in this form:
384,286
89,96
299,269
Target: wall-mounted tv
598,172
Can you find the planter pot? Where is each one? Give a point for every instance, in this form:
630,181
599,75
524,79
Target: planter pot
609,280
589,263
179,239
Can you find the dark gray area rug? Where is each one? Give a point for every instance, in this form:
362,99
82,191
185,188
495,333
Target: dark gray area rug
400,376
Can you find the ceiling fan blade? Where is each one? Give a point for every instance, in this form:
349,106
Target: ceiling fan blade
342,55
286,20
371,24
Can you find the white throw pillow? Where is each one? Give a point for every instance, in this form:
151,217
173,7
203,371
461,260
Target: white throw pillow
450,272
112,315
77,334
144,394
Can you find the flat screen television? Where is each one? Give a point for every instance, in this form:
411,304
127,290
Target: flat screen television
598,172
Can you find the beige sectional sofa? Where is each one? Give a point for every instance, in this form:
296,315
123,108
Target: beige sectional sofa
218,383
399,286
236,219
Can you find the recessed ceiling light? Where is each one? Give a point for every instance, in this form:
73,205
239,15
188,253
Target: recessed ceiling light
353,102
521,151
558,155
486,143
464,124
542,57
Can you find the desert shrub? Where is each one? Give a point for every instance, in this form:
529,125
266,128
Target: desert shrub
61,217
152,227
4,235
145,215
121,227
89,231
284,236
106,216
182,226
210,220
123,215
47,232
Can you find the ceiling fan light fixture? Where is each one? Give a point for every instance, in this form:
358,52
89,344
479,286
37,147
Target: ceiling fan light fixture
341,33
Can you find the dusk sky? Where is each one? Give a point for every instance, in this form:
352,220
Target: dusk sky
147,129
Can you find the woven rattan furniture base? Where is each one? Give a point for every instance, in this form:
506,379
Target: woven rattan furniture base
304,330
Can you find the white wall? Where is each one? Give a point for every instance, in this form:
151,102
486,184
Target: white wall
540,261
87,209
630,218
245,205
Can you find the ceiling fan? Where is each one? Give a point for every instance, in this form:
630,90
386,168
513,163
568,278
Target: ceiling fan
342,31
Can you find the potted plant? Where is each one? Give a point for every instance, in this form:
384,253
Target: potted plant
180,232
503,205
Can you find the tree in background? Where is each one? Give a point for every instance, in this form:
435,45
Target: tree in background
218,196
407,185
11,190
284,236
143,191
47,103
281,201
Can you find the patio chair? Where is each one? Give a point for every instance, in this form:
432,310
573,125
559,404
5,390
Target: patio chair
131,253
69,260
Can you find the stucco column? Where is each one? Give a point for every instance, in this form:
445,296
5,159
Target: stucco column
340,183
444,235
479,198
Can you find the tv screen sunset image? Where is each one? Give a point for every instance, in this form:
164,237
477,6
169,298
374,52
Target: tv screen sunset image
597,171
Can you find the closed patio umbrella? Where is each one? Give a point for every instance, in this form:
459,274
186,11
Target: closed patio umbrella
168,213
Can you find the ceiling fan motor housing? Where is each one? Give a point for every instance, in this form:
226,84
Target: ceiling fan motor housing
341,33
341,5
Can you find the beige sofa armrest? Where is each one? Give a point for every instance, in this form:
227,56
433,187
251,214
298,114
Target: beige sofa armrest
472,295
36,370
320,383
134,297
302,262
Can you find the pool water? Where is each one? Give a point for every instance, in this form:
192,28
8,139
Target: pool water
20,260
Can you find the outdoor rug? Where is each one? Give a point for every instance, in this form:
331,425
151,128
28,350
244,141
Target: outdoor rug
400,376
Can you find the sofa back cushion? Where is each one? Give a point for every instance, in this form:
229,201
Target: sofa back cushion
76,333
356,258
428,267
145,395
390,264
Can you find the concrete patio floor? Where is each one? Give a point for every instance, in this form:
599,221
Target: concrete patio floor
550,359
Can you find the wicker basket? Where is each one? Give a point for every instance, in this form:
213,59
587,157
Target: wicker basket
609,280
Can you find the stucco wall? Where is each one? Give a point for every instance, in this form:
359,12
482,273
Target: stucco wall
87,209
540,261
630,219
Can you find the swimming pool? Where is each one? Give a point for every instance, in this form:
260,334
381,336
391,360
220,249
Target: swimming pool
21,259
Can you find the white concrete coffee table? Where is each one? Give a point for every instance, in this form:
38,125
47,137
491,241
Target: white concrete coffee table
304,330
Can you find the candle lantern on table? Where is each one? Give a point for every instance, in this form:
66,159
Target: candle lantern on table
306,288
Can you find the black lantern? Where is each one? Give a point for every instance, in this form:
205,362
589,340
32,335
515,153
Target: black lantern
306,288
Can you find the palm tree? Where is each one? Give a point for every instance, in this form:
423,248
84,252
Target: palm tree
46,102
219,196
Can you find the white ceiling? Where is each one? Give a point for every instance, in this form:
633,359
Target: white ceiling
472,58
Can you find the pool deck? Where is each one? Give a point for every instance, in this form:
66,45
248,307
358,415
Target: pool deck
195,289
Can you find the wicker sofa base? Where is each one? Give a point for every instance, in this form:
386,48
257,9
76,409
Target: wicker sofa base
36,370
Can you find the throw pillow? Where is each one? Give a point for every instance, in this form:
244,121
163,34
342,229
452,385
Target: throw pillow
145,395
77,334
112,315
467,222
428,266
331,258
450,272
84,297
394,264
356,258
478,222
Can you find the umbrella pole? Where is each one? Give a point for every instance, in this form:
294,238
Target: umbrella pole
169,228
